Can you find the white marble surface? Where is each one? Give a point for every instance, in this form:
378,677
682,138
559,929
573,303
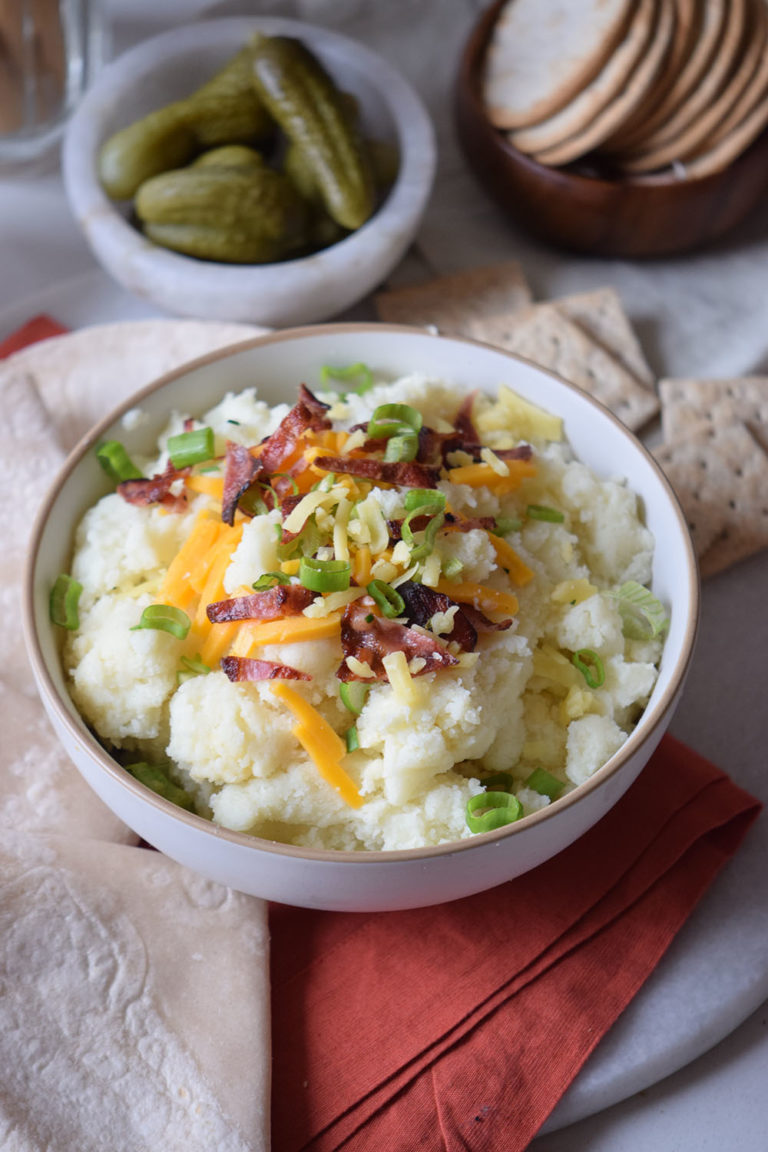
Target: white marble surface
705,315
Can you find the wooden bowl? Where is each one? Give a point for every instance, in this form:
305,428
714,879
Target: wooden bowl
602,216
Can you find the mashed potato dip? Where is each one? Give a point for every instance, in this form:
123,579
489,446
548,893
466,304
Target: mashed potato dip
380,619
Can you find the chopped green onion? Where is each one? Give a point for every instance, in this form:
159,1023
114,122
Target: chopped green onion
324,575
65,597
506,524
252,503
542,512
351,372
269,580
191,667
152,776
642,615
352,739
452,567
165,618
489,810
545,783
116,462
388,598
190,447
353,695
499,782
306,543
404,446
421,551
425,500
291,479
325,484
591,667
394,420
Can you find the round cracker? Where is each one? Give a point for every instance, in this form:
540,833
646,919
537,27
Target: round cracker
714,17
689,142
663,146
639,84
730,146
751,96
542,52
688,17
591,101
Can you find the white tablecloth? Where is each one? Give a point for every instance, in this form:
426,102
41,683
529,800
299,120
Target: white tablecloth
706,314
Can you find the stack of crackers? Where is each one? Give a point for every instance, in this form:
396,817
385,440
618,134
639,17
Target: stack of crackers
646,84
714,446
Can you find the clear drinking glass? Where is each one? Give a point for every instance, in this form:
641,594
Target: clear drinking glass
49,52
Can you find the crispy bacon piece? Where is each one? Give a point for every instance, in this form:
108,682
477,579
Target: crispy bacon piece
156,489
271,604
405,473
371,640
308,413
480,621
464,424
521,452
421,604
241,668
435,446
240,471
316,407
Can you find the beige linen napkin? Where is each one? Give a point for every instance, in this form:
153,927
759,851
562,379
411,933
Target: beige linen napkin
135,1012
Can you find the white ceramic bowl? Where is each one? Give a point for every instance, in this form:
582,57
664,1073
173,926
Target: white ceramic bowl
347,880
300,291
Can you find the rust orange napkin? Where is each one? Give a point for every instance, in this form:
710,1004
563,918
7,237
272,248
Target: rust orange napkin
38,328
460,1026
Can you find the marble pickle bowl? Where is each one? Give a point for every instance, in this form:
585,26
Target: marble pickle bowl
299,291
361,881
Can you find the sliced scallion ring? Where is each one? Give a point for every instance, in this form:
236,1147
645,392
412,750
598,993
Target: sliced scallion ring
351,739
424,500
152,776
394,420
191,667
116,462
359,371
164,618
499,782
353,695
291,480
489,810
388,598
642,615
591,667
404,446
324,575
543,512
190,447
269,580
545,783
421,551
63,603
506,524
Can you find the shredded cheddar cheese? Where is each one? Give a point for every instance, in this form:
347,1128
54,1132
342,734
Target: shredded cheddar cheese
319,740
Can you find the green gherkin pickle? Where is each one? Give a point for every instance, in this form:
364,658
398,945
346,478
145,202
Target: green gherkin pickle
226,110
314,115
233,215
230,156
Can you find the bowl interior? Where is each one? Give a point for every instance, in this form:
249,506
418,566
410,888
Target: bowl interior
277,364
